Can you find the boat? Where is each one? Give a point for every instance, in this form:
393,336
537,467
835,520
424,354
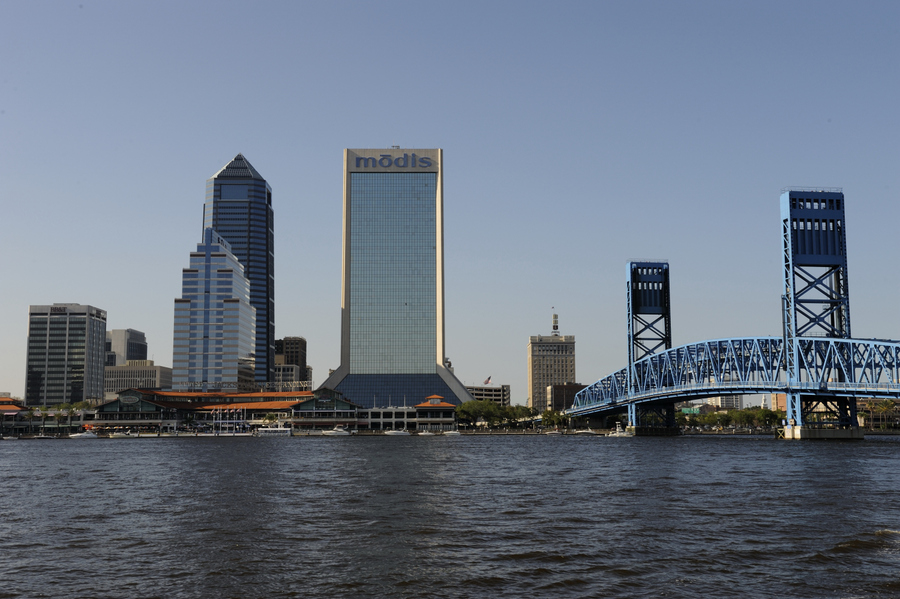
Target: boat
122,435
84,435
397,432
553,432
620,432
454,432
338,430
265,432
586,431
426,434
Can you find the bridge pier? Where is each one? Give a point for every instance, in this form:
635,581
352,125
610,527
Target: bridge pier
807,432
652,421
821,417
654,431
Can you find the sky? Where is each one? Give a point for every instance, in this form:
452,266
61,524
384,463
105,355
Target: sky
577,136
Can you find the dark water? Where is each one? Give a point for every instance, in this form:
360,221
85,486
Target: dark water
498,516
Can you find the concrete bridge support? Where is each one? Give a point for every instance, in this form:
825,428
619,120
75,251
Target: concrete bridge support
652,421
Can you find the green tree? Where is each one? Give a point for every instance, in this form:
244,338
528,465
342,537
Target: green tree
62,412
472,411
29,415
743,418
723,419
553,419
885,409
871,406
44,412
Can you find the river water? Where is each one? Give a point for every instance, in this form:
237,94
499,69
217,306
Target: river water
469,516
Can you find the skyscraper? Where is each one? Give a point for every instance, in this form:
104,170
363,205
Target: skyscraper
123,345
292,351
215,324
66,354
551,361
239,208
392,293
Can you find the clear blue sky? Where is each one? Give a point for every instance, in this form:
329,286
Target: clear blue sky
577,136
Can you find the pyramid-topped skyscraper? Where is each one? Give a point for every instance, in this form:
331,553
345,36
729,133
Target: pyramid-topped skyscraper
239,208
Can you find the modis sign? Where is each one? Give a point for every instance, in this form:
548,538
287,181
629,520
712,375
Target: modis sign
388,161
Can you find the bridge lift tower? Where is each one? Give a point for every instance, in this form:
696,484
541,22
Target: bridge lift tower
649,328
816,301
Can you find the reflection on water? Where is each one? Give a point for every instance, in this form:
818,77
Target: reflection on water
509,516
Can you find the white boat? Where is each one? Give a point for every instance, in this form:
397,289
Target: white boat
586,431
426,434
122,435
450,433
552,433
84,435
620,432
400,432
338,430
266,432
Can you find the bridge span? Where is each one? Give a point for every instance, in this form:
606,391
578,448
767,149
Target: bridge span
832,368
819,367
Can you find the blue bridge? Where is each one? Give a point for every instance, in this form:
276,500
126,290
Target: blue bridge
819,368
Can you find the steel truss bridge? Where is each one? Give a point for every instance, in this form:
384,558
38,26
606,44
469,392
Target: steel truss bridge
828,368
818,366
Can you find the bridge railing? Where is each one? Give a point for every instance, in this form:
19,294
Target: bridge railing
752,365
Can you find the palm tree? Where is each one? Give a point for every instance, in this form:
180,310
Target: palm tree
61,413
30,416
884,408
870,406
44,411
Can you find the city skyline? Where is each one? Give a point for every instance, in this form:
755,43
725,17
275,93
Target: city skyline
579,140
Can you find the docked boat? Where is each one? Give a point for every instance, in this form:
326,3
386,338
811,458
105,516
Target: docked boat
267,432
396,433
122,435
337,431
84,435
426,434
453,432
586,431
554,432
620,432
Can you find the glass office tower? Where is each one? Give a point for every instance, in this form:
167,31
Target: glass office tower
392,299
239,208
66,354
215,324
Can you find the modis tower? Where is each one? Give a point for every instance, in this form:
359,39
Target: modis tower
392,294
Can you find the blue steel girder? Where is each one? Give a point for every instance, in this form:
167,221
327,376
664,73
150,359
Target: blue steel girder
819,301
827,367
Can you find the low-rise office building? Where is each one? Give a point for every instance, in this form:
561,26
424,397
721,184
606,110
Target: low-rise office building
135,374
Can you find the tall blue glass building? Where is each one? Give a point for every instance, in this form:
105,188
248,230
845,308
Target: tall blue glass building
215,325
392,298
239,208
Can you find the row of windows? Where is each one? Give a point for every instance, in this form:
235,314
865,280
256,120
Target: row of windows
821,204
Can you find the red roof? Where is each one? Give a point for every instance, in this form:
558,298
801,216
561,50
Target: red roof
252,405
223,395
440,404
